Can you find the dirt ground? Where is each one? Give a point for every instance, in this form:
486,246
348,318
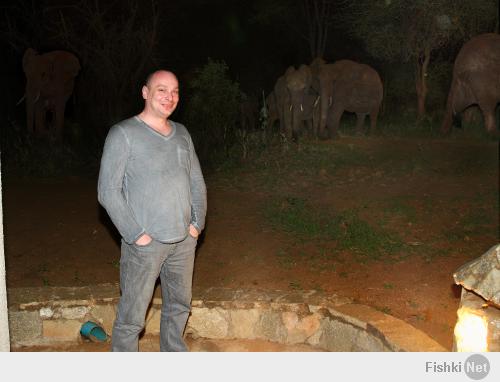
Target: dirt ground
439,196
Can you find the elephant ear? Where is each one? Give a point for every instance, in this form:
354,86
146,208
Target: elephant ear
289,71
306,74
29,61
73,65
65,62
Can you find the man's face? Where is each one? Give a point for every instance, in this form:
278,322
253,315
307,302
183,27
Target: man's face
161,94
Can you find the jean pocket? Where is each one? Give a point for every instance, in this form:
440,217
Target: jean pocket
148,245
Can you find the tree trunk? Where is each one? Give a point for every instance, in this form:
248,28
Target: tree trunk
421,81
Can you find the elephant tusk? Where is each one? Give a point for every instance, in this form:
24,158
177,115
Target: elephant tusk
21,100
301,108
37,98
316,102
291,107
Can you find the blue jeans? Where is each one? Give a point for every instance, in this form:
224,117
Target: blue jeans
140,267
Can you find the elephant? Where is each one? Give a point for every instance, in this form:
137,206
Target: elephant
346,85
49,83
309,112
272,109
282,98
294,100
476,80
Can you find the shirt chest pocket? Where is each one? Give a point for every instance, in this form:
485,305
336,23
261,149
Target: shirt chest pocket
183,158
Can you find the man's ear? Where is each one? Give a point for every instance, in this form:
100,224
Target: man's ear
145,92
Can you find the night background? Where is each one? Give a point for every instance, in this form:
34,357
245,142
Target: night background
369,216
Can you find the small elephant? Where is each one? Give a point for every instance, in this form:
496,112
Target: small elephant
295,101
49,84
346,85
476,80
282,97
272,109
309,114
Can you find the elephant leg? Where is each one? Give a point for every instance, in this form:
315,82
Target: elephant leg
489,118
287,119
360,121
30,114
59,119
373,121
40,118
324,112
334,122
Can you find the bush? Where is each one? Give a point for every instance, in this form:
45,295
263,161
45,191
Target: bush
212,110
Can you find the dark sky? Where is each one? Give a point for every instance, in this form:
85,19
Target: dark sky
189,32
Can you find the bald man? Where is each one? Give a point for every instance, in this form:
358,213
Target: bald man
152,187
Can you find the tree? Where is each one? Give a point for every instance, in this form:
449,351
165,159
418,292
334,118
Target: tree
308,20
116,43
413,30
212,112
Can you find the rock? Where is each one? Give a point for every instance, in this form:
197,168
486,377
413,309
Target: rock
482,275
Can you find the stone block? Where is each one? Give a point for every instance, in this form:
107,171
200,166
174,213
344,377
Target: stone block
366,342
209,323
243,323
46,312
24,326
61,330
104,315
337,336
153,318
270,327
74,313
299,330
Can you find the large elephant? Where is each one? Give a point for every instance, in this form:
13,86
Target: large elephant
347,86
49,84
295,100
476,80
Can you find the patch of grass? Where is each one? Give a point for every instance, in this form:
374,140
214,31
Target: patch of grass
295,216
412,304
298,217
388,286
286,260
402,208
476,221
295,285
358,236
384,309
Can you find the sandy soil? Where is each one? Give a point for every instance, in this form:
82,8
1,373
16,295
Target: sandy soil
440,197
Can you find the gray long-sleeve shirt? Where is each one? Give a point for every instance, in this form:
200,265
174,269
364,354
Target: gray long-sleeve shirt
151,183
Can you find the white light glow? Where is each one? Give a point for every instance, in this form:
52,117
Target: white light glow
471,332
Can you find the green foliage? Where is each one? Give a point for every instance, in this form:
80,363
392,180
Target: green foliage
300,218
212,111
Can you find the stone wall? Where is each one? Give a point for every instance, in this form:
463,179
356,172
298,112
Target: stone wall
45,315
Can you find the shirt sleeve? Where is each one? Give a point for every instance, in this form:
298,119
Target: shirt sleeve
198,192
110,185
